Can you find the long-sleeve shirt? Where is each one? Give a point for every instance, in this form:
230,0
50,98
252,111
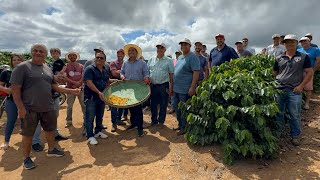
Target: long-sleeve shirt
136,70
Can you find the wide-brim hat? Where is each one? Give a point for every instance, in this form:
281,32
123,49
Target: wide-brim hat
128,46
72,52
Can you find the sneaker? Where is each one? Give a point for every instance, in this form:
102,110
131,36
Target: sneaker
295,141
131,127
104,127
154,123
28,164
60,138
114,128
101,135
4,146
93,141
68,124
37,147
55,153
140,132
120,123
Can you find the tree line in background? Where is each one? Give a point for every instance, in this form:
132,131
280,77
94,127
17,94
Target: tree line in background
5,57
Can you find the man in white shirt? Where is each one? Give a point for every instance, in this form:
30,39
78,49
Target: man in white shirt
276,48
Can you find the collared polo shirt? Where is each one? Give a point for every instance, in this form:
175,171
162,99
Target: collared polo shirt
160,68
276,50
290,71
219,57
312,52
136,70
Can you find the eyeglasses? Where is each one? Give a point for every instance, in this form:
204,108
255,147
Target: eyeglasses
99,57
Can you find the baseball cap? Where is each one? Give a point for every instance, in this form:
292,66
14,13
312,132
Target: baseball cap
304,39
161,44
120,50
238,42
275,36
185,40
219,35
308,34
177,52
290,37
99,48
198,42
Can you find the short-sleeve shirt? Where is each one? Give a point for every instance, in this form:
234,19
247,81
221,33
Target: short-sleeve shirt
115,66
203,64
57,66
250,49
136,70
312,52
98,78
217,57
160,68
290,71
74,72
183,72
36,85
275,50
313,45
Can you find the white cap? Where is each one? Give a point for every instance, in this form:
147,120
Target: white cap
275,36
304,39
185,40
162,44
290,37
198,42
308,34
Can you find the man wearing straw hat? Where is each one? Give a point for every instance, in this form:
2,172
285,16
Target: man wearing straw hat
135,69
161,76
74,79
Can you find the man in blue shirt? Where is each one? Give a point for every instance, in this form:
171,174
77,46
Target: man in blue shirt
221,53
204,71
96,77
185,79
314,55
309,35
135,69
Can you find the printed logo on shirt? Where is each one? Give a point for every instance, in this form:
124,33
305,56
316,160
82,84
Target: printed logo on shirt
297,59
72,73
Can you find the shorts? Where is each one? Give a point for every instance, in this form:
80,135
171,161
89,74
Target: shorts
309,85
48,121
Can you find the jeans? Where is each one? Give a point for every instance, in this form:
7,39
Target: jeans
125,112
159,96
136,117
178,97
172,103
36,137
116,114
94,109
12,115
70,101
292,102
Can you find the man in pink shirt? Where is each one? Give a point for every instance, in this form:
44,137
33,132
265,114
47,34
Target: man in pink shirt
73,76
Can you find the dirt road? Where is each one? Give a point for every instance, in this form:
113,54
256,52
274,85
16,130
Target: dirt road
160,154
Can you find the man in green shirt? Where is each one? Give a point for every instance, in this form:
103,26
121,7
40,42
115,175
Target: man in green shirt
161,76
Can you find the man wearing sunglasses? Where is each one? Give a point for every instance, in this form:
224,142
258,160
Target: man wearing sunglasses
289,69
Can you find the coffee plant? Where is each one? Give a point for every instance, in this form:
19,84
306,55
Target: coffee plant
235,107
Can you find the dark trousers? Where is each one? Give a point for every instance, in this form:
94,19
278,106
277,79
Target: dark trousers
136,117
159,96
94,110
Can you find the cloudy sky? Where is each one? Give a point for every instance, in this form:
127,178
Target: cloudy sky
82,25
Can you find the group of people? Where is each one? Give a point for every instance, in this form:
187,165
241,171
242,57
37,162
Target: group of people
33,86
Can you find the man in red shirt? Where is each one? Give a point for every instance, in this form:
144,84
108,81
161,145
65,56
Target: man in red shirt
74,78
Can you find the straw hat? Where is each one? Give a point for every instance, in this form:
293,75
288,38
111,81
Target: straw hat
128,46
72,52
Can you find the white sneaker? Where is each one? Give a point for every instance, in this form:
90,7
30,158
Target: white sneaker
93,141
101,135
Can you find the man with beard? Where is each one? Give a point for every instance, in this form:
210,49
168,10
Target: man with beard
204,71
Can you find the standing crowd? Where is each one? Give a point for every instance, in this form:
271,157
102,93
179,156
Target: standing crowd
34,87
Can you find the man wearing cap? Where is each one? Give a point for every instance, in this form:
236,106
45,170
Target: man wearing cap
221,53
115,68
135,69
74,80
241,51
90,62
289,69
314,55
246,46
204,71
309,35
97,78
185,79
276,48
161,76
